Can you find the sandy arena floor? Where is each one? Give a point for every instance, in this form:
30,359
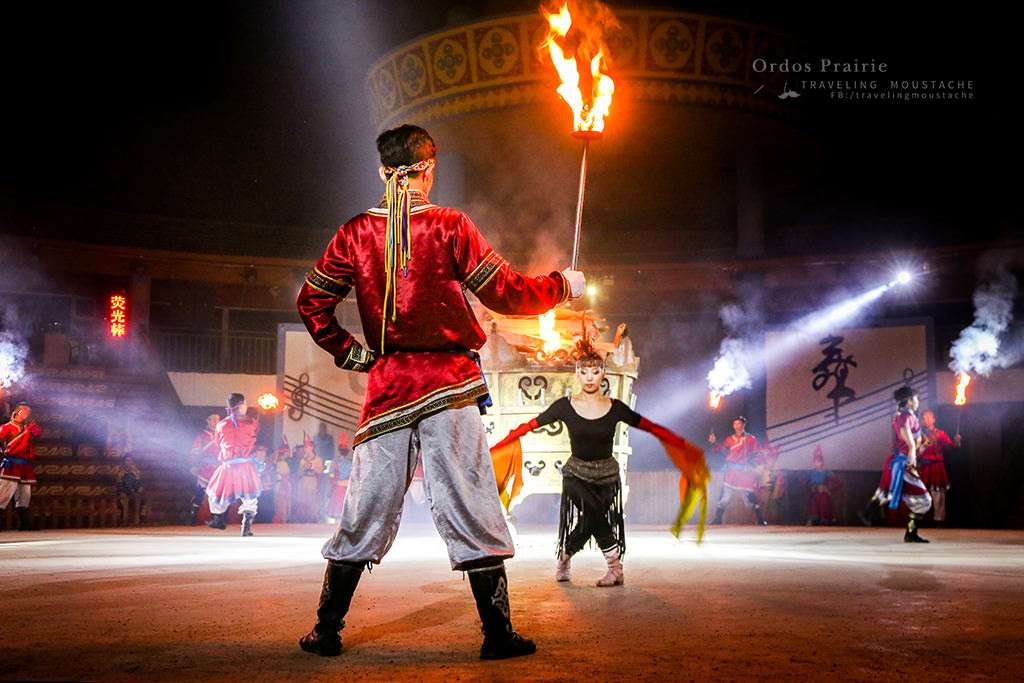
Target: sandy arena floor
776,603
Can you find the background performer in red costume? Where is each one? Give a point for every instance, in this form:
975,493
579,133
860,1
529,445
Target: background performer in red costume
16,474
934,443
411,264
203,461
741,471
237,477
823,484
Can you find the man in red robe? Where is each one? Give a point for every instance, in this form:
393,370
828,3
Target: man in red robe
16,455
411,264
238,475
742,469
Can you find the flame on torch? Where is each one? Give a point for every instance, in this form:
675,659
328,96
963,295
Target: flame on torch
590,109
546,331
961,389
268,401
714,398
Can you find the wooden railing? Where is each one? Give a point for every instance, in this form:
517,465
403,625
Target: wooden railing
189,351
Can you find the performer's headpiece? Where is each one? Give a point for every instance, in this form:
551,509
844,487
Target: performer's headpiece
585,352
403,150
740,418
904,394
818,455
233,402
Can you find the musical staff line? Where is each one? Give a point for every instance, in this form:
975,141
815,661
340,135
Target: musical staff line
849,420
309,399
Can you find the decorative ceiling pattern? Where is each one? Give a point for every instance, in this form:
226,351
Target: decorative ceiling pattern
661,56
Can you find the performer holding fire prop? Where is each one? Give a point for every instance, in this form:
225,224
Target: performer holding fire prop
410,263
238,476
934,444
744,466
591,486
17,453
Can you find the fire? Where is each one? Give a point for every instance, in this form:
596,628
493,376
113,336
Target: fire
268,401
961,389
588,110
714,399
546,331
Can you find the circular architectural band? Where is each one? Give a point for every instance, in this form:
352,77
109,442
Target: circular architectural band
656,55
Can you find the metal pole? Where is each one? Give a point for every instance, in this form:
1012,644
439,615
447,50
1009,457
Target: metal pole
579,204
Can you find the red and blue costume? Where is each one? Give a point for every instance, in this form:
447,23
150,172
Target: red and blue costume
236,477
900,480
16,474
742,470
18,452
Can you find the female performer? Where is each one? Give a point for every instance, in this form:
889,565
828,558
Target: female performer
591,487
900,480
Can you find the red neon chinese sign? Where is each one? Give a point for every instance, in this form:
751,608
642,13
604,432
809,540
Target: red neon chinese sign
118,319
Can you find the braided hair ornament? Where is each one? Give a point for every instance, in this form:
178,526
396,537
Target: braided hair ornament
397,245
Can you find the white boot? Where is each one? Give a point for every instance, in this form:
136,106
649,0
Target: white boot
562,570
614,576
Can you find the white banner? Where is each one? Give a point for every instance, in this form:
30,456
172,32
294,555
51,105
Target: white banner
835,390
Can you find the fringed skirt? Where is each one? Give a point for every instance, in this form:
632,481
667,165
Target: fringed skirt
591,506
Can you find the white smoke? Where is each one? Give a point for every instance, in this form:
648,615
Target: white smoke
977,348
13,350
730,372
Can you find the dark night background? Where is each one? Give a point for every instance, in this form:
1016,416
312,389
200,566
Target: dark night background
253,117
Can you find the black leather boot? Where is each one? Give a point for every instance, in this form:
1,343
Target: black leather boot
760,516
340,581
218,520
912,536
247,518
490,590
865,515
193,515
718,515
25,520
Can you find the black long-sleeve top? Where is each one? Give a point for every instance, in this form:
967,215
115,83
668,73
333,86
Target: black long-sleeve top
589,439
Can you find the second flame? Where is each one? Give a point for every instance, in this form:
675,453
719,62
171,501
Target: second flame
961,389
268,401
546,331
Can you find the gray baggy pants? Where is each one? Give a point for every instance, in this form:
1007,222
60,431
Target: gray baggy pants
460,488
